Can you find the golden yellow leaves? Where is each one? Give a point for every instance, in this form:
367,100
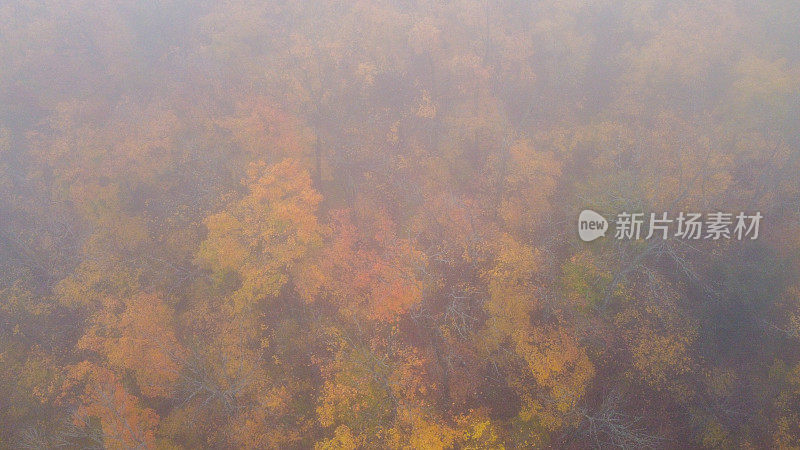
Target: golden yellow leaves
660,357
511,292
224,249
529,182
265,236
92,281
557,363
342,439
479,432
552,353
417,428
357,393
660,343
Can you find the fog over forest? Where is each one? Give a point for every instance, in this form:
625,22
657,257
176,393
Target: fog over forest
461,224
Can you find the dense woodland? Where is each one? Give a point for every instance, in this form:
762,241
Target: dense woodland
329,224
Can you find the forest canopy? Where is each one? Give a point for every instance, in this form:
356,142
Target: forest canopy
339,225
